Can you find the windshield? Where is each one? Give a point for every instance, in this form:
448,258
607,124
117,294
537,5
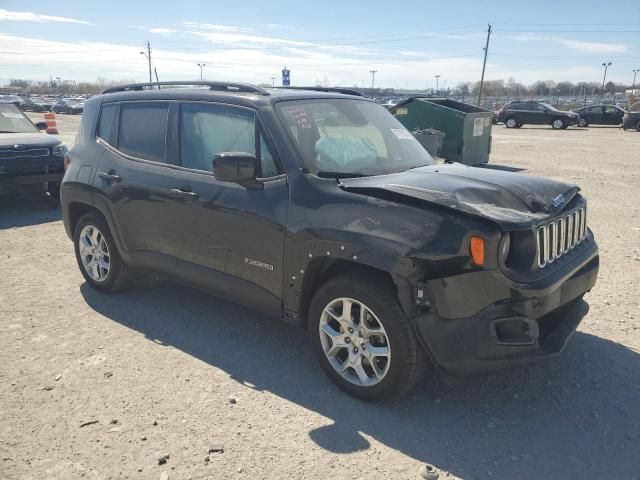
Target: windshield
12,120
351,137
37,99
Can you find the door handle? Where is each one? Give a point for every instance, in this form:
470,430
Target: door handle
183,193
110,177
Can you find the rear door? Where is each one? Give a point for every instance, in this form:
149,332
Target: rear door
133,172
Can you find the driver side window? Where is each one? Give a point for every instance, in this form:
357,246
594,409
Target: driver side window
207,130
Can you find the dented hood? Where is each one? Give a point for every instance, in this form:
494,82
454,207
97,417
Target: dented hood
512,200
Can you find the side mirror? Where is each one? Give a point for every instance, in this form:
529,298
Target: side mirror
236,167
41,125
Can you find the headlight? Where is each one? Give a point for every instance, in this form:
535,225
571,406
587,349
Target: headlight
60,150
503,248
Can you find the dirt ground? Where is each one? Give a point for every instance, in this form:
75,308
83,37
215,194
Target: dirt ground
100,386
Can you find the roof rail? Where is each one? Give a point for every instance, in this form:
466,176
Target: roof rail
344,91
218,86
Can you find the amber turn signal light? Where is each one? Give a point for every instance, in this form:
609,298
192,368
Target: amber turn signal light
476,247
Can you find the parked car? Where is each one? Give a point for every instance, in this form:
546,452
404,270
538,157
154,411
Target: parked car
631,120
600,115
67,105
29,159
517,113
12,99
36,104
322,209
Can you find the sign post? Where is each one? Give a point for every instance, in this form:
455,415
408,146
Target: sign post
285,77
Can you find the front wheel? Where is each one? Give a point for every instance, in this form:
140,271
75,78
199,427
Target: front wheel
558,124
583,123
362,338
638,126
98,256
511,123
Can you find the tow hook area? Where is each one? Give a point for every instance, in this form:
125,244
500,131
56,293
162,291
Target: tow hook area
514,331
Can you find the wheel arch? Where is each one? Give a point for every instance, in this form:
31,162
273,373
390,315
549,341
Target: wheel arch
322,269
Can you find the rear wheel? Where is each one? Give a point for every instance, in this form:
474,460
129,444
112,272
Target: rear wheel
583,123
362,338
558,124
638,126
98,256
510,123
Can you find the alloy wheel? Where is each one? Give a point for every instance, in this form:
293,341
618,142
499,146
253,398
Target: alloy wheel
94,253
557,124
355,342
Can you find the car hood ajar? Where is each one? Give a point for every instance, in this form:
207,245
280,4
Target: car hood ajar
29,140
512,200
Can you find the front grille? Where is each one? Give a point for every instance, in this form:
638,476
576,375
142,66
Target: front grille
30,153
560,236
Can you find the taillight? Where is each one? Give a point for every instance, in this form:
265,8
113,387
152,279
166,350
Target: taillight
67,161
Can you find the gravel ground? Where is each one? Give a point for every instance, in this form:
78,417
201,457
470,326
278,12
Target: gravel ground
104,386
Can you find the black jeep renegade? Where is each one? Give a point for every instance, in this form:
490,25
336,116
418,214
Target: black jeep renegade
320,208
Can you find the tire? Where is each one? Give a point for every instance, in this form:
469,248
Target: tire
395,372
510,123
583,123
117,276
638,126
558,124
519,125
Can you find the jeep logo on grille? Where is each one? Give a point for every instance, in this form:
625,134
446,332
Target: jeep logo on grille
557,201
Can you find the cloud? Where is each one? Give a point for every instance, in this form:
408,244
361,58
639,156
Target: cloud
214,27
35,17
162,31
243,39
587,47
595,47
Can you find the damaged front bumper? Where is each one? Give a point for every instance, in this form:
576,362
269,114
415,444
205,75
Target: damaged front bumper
482,322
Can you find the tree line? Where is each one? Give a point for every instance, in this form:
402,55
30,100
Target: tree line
513,88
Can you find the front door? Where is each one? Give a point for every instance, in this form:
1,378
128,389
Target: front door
612,115
223,226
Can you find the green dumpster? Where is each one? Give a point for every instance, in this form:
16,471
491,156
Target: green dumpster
467,128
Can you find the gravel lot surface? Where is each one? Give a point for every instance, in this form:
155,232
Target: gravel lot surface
166,382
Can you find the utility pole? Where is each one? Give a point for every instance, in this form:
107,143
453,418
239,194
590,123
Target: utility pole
148,55
201,65
633,85
484,63
604,77
373,78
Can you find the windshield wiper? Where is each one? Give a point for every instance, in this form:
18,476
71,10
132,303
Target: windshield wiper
326,174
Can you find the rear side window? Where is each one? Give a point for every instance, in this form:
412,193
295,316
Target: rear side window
107,123
143,130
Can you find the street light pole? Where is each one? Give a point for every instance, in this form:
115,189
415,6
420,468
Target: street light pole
373,78
633,85
201,65
437,82
604,77
273,81
148,55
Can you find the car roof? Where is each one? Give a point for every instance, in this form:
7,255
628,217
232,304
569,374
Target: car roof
254,97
